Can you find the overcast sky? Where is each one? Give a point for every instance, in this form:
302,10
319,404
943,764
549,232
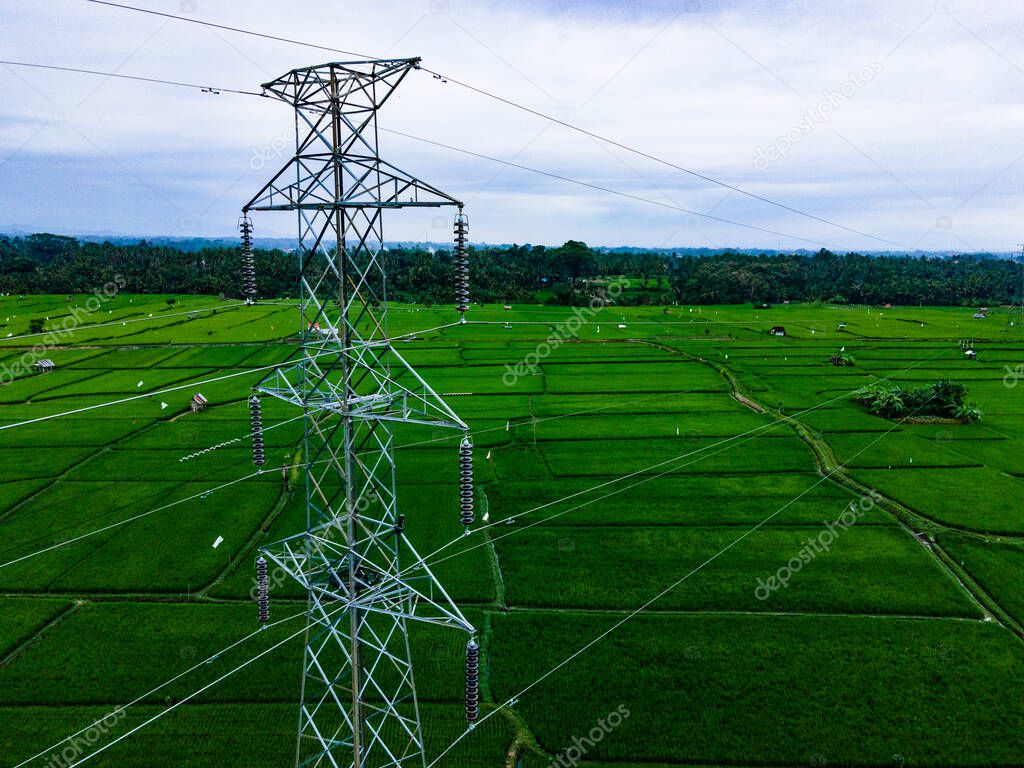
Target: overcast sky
898,118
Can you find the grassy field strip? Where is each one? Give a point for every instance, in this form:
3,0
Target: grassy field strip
128,520
983,598
202,733
37,633
128,435
702,689
91,326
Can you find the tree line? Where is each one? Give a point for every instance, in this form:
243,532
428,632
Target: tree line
527,274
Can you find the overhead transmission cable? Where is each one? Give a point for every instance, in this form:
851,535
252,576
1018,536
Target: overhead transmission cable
749,435
161,81
231,483
507,163
126,521
227,28
600,188
655,158
522,107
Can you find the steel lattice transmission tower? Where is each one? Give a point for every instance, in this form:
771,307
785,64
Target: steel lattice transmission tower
365,581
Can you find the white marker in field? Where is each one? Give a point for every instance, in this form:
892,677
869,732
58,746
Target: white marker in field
163,406
139,385
218,542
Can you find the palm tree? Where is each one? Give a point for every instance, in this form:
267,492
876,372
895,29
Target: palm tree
882,400
889,402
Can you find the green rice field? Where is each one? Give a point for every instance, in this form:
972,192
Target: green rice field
686,519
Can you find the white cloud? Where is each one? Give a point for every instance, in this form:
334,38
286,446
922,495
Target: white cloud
940,121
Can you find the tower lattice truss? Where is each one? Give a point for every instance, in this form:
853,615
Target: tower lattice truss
364,579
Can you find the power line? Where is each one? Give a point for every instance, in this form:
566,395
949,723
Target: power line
91,326
529,110
510,701
126,521
655,158
179,387
214,489
227,28
508,163
748,435
142,396
139,78
600,188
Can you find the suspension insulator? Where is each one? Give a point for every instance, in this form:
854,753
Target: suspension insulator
248,261
466,481
259,457
461,264
472,681
262,589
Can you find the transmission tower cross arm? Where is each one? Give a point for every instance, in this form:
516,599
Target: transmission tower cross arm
336,163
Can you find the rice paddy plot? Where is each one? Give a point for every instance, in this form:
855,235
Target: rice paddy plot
23,618
973,499
737,500
778,690
997,565
808,569
780,453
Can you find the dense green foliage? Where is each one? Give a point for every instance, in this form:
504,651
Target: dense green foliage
943,399
527,274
